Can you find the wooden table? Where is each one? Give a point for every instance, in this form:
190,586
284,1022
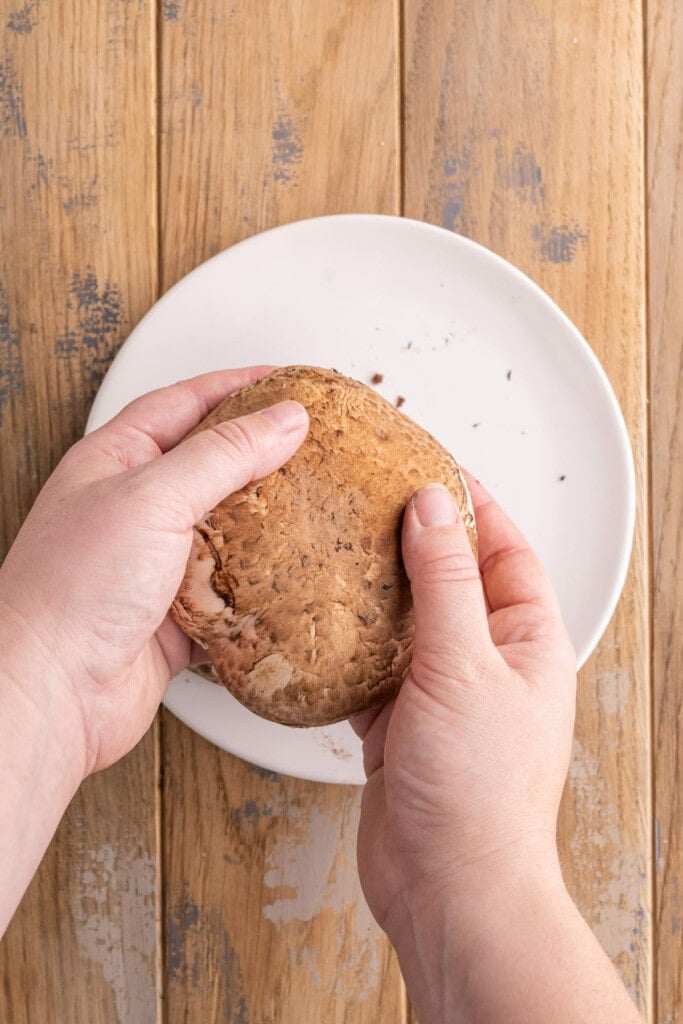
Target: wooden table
137,140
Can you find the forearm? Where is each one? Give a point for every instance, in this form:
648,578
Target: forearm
518,954
41,764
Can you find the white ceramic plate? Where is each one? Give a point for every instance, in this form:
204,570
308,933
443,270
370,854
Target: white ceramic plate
484,360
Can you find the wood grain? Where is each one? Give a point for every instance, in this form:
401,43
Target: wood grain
524,130
77,268
270,112
665,278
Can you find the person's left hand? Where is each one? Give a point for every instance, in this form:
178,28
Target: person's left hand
87,585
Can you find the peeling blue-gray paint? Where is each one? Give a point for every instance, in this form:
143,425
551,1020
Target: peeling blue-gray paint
524,176
457,164
451,213
183,916
21,21
95,319
12,120
249,812
84,201
559,244
198,939
11,366
264,773
170,9
287,148
42,167
252,812
457,168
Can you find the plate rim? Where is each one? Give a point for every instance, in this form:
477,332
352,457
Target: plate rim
308,776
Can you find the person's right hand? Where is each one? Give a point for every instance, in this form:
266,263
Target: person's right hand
456,849
466,767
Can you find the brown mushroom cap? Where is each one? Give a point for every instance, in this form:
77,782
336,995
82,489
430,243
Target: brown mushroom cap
295,584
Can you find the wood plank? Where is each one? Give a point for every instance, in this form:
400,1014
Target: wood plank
524,130
265,921
77,269
270,112
664,35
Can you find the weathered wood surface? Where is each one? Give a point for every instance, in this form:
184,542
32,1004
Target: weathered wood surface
665,251
519,123
77,270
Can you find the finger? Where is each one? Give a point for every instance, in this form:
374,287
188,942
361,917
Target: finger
167,415
178,649
195,476
198,655
175,645
451,629
512,574
363,721
375,738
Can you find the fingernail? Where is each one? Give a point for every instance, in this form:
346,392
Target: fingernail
435,506
287,416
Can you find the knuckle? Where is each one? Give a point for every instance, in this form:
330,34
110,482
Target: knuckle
507,552
73,456
130,446
449,658
123,444
447,567
233,438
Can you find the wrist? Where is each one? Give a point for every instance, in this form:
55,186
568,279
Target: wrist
514,949
446,932
42,757
37,696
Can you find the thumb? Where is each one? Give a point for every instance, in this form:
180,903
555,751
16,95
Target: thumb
452,638
205,468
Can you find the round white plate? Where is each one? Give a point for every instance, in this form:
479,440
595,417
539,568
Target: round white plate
482,358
